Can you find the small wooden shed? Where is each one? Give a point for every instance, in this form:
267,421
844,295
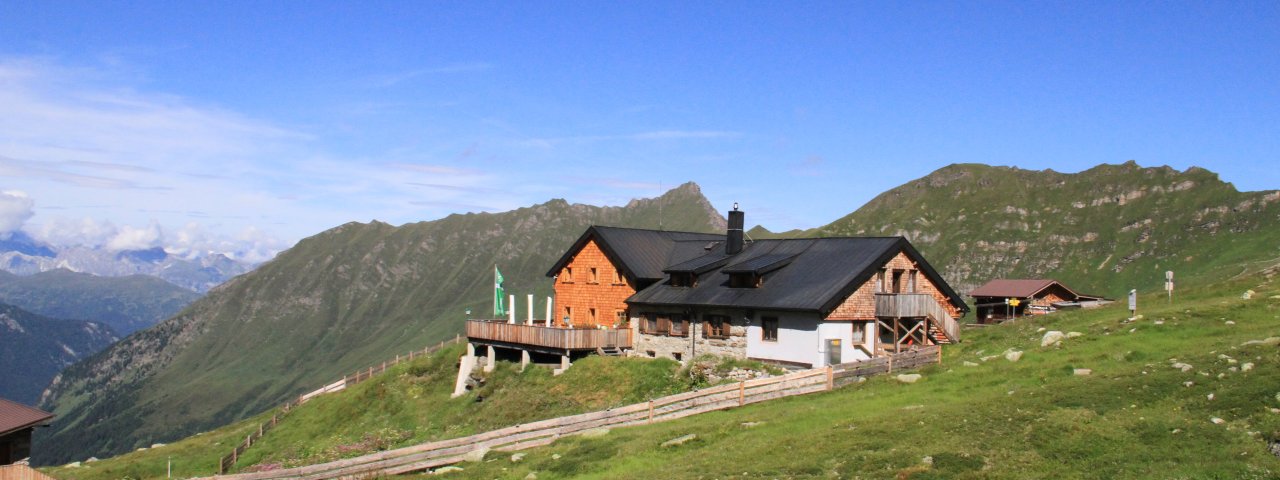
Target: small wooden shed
1005,298
17,421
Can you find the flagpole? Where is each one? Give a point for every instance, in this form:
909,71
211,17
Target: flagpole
495,289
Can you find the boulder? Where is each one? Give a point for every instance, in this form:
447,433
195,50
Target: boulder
1269,341
909,377
476,455
1013,355
1186,367
681,440
1082,372
970,364
1246,366
1052,337
1074,334
1217,421
516,457
444,470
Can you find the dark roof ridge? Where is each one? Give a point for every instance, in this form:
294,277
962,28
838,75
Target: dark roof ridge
652,230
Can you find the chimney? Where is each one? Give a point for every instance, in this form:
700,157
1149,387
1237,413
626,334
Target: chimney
733,240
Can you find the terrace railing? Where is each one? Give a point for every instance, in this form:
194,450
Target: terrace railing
548,337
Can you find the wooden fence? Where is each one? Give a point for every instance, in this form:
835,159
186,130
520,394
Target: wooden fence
21,472
550,337
226,463
445,452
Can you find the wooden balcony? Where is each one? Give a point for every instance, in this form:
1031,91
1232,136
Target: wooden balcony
917,305
548,339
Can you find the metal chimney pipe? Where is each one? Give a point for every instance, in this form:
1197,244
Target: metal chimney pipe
733,240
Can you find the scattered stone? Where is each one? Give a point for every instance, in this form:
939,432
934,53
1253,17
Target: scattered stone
1275,410
444,470
1188,384
555,456
969,364
91,460
141,449
751,424
1269,341
1210,396
1176,431
1013,355
157,445
1159,322
1231,322
909,377
1217,421
1248,294
1083,372
531,476
1246,367
912,407
1052,338
1132,330
1186,367
476,455
988,357
1040,330
1233,369
1232,361
681,440
516,457
1222,375
594,432
1074,334
928,460
73,465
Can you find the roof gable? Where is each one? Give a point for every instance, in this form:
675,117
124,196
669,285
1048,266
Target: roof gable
16,416
1017,287
641,254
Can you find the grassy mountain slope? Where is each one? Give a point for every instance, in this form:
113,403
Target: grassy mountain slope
1104,230
1133,416
977,415
338,301
34,348
127,303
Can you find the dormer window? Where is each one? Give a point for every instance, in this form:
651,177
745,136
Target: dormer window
683,279
744,280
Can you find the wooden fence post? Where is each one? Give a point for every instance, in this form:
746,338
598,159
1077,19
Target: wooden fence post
742,390
890,364
939,347
650,411
830,379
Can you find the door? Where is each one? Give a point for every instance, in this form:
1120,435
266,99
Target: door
833,351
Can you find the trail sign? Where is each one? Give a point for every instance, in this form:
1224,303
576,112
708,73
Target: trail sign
1133,303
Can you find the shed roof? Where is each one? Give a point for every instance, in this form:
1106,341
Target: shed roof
813,274
1017,287
16,416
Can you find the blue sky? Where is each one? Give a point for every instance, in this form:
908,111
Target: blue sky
245,126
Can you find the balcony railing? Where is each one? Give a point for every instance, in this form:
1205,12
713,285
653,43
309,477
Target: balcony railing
917,305
548,337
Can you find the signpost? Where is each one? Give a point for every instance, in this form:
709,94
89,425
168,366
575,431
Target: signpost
1168,284
1133,303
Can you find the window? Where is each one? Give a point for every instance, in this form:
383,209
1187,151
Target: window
715,326
568,274
859,336
568,316
744,280
682,279
769,329
591,315
880,281
679,325
595,275
897,281
620,318
617,278
650,324
911,281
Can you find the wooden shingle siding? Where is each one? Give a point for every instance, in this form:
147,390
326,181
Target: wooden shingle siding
606,296
861,305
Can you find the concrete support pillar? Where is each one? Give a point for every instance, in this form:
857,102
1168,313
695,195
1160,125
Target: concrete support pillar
491,361
524,359
511,311
548,311
564,365
529,320
465,366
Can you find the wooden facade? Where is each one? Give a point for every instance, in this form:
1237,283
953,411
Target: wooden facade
591,291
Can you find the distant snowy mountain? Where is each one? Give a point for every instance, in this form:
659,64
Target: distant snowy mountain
22,255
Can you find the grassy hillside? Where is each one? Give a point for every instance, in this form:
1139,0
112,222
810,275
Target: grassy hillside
1104,230
978,415
127,303
981,416
338,301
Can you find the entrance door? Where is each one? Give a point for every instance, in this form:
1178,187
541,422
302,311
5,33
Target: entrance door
833,351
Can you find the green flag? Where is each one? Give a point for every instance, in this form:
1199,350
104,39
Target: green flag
499,295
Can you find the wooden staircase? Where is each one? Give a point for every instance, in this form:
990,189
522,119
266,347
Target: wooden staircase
609,351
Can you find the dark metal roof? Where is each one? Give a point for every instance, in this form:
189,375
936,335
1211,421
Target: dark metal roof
702,264
821,273
643,254
16,416
762,264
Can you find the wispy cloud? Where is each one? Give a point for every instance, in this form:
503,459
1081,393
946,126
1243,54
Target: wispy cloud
811,166
649,136
393,79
